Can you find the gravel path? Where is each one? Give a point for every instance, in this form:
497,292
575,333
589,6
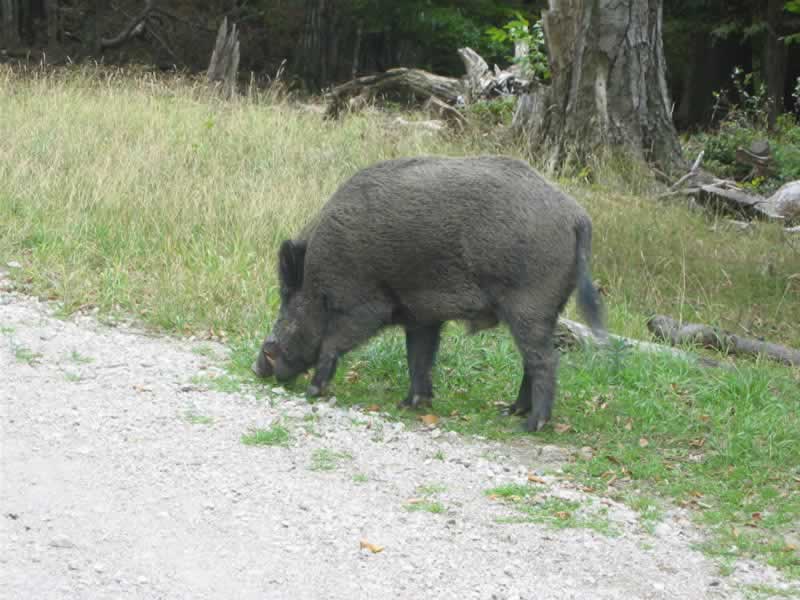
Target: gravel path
110,490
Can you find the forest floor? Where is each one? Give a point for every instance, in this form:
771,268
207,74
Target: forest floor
123,475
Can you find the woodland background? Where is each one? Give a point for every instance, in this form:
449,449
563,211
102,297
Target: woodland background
326,41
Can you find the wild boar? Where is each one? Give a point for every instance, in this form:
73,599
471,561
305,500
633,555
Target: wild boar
416,242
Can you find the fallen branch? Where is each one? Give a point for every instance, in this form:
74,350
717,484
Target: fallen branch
675,333
406,82
570,333
134,27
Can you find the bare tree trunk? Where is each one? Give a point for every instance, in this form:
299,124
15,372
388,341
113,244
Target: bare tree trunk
318,47
53,26
10,23
609,84
357,50
775,53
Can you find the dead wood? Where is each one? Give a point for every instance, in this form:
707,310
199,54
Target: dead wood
571,333
670,330
224,65
417,85
761,164
411,84
733,200
441,110
134,27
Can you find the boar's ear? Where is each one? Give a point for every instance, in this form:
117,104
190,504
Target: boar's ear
291,258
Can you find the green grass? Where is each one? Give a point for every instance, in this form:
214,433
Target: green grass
274,436
324,459
7,330
425,499
195,419
79,358
26,355
144,196
72,377
551,511
206,351
360,478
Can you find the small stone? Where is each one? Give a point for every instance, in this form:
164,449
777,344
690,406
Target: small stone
73,565
13,265
508,571
714,583
662,529
657,586
436,433
62,541
141,580
208,505
99,567
586,453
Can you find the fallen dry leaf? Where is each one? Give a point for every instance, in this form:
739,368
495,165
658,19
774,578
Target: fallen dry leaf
563,515
704,418
373,408
415,500
351,377
643,443
629,424
536,479
789,548
429,419
698,443
371,547
756,516
562,427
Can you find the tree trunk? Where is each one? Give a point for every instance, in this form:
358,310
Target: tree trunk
53,27
609,87
318,43
10,23
774,61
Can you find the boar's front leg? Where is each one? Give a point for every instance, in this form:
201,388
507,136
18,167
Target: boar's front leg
345,331
422,343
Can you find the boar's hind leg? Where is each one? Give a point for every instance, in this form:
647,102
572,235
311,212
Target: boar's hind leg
523,404
540,360
422,342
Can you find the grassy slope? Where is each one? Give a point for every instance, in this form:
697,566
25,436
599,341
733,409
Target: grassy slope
143,196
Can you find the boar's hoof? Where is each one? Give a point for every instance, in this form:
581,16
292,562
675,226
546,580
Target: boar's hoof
513,410
313,391
535,422
416,401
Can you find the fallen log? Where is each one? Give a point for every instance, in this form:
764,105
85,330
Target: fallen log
407,83
732,200
670,330
418,85
571,333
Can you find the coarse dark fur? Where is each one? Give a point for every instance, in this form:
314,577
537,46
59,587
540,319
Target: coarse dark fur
417,242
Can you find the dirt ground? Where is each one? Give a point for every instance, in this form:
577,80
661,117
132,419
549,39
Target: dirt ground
124,475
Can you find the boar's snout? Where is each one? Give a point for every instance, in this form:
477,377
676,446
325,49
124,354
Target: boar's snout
264,365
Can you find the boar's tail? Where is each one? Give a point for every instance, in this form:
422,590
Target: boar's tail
588,297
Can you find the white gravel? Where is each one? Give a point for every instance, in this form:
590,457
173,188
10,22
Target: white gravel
109,491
